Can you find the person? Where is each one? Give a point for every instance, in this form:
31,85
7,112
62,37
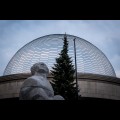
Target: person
37,87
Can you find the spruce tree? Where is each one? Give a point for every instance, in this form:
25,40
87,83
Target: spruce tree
63,74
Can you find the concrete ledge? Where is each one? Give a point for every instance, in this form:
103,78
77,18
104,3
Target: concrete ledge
81,76
13,77
91,85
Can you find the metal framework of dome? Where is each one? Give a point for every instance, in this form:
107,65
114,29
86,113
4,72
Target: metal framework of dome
45,49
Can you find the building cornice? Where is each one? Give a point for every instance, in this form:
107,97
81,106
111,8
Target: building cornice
81,76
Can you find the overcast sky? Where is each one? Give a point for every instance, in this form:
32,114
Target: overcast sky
105,34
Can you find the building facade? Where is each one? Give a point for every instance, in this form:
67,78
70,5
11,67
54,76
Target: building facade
96,76
91,86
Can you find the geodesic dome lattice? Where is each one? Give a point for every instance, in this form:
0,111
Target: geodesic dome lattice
45,49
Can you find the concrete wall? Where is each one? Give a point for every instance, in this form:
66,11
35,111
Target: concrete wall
91,85
99,90
10,85
10,89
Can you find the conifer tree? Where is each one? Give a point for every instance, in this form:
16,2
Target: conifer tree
63,74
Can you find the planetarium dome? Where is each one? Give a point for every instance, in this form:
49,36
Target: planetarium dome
45,49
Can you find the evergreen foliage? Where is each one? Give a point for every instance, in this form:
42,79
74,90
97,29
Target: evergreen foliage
63,74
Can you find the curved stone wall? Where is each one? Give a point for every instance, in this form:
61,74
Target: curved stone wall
91,85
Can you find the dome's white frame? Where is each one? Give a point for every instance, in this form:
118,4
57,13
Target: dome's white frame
89,58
